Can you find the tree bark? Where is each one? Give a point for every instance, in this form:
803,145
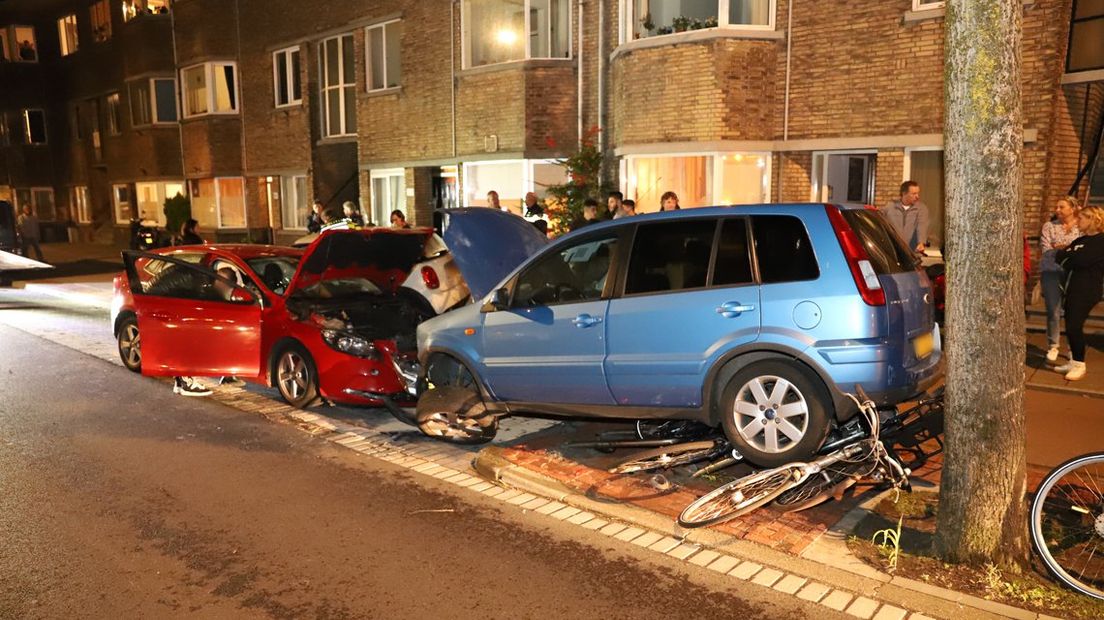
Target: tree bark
982,515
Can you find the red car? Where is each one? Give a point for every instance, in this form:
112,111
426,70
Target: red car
327,321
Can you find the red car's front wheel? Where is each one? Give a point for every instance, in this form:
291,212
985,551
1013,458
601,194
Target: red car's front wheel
296,376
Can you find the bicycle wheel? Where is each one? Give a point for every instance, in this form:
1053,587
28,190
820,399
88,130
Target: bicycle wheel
823,485
740,497
1067,523
667,456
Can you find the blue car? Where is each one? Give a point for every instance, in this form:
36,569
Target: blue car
752,318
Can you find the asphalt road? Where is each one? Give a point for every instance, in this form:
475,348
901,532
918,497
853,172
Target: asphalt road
120,500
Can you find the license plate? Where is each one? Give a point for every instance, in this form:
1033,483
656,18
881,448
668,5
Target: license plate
922,345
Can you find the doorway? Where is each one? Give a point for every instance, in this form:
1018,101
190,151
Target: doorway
926,168
844,177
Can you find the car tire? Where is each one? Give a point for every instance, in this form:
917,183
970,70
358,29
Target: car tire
451,407
129,340
752,418
296,376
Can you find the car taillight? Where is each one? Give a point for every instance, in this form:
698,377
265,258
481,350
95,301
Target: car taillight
866,279
429,277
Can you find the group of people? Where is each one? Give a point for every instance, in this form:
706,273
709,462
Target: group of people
617,207
321,218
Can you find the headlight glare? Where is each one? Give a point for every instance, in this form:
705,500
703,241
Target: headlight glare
349,343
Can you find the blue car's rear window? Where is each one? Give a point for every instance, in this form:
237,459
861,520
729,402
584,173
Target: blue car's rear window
888,253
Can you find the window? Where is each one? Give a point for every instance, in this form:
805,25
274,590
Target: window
162,277
698,180
285,76
138,8
649,18
783,249
219,203
338,71
114,115
1086,38
19,43
732,266
505,30
5,132
41,201
577,273
925,5
382,43
511,179
101,21
34,127
120,196
153,101
844,177
150,199
210,88
388,194
67,34
670,257
78,204
294,209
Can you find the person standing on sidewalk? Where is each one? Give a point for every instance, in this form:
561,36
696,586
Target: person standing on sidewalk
909,216
1084,261
1056,235
27,224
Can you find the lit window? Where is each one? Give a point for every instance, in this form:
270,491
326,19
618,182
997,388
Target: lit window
151,197
5,131
34,126
338,71
101,21
138,8
649,18
285,77
153,101
511,179
698,180
120,196
384,68
218,203
925,5
40,200
294,209
210,88
78,204
114,115
1086,40
67,34
388,194
505,30
19,43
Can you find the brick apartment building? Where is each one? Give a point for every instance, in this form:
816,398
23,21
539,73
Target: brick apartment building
254,108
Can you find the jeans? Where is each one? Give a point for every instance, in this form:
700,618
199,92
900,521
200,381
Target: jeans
1052,295
32,243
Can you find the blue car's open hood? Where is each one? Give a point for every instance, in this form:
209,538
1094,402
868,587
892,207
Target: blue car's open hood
488,244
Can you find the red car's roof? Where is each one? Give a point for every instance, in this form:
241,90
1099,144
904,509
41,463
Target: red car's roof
245,251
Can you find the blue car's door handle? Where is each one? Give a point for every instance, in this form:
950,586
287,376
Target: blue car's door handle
585,320
732,309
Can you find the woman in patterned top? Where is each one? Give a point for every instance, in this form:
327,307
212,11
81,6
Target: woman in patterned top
1057,235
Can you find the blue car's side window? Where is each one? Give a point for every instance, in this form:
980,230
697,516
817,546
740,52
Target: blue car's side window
577,273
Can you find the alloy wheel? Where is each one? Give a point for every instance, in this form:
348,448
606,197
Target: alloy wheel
130,345
293,375
771,414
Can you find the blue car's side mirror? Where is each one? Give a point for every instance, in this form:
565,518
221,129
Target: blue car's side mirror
499,299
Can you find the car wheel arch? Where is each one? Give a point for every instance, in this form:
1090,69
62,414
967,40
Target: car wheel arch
123,316
729,365
278,348
461,359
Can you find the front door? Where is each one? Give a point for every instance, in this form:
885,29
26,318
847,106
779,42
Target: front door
192,321
550,344
686,301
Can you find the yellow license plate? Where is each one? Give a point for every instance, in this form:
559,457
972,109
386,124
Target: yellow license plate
922,345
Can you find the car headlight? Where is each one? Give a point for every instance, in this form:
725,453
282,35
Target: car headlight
349,343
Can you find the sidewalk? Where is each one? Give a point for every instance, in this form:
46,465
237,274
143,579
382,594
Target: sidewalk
1040,375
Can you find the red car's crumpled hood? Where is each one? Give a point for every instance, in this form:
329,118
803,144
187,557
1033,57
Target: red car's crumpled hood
382,255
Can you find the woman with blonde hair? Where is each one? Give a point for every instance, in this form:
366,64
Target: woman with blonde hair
1056,235
1083,261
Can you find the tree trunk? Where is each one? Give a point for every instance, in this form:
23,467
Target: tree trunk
982,516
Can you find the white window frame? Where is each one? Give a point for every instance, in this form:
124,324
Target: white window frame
115,203
930,5
628,19
68,45
287,66
25,113
284,197
12,42
716,186
465,35
245,203
386,173
368,57
78,198
34,202
114,115
209,79
816,191
528,175
324,89
101,9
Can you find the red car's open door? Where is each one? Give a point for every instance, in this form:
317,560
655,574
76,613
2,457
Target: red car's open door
191,320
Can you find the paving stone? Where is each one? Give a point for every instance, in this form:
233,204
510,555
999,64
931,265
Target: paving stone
790,584
595,524
482,486
425,466
837,599
457,477
746,570
647,539
889,612
724,563
467,481
768,577
498,492
445,473
521,498
704,557
565,512
813,592
667,545
629,534
863,608
612,529
550,507
920,617
535,503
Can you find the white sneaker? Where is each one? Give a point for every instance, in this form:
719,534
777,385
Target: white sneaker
1076,372
186,386
1064,368
1052,354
